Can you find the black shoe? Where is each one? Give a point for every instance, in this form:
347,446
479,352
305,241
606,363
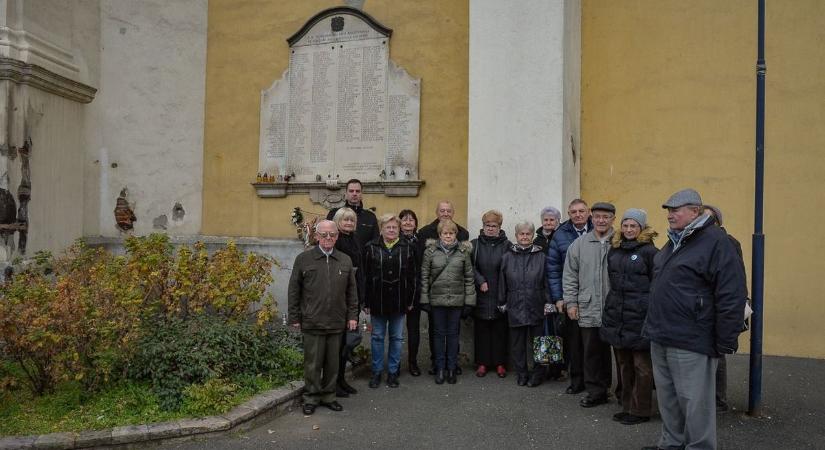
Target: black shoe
619,416
414,370
340,392
375,381
521,380
535,379
451,376
309,408
630,419
346,387
439,377
432,370
572,390
333,405
722,406
458,370
392,380
589,402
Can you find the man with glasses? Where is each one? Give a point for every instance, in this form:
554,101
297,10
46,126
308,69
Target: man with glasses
697,304
586,283
322,301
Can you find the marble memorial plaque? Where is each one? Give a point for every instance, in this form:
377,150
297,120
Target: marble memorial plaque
342,109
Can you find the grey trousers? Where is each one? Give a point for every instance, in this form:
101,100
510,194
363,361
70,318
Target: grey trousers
686,392
321,353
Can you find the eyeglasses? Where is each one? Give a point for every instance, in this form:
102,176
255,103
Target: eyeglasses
327,234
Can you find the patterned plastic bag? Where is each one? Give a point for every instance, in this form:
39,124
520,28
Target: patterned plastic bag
548,349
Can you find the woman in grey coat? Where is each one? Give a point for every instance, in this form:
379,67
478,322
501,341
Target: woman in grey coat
523,288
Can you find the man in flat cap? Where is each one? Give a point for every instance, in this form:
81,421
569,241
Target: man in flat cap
697,301
585,282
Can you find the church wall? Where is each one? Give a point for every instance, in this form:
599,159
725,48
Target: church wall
668,101
247,51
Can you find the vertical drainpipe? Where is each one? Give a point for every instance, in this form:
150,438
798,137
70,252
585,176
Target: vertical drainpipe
758,257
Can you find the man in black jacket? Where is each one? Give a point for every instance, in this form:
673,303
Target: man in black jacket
367,227
697,301
444,211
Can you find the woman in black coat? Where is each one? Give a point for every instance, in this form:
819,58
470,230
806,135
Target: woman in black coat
409,227
523,289
550,220
391,285
347,243
630,268
490,323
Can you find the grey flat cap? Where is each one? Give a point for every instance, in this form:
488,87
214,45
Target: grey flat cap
603,206
682,198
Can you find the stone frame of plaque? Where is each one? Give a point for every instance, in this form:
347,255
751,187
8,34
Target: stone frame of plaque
341,110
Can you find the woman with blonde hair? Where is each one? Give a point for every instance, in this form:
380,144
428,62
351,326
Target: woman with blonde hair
389,267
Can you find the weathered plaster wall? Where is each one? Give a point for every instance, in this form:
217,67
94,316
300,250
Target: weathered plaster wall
248,50
668,101
145,131
519,126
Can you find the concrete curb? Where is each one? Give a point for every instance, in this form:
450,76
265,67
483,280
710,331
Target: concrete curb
265,405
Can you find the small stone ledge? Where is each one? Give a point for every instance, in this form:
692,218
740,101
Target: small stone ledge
262,405
36,76
332,194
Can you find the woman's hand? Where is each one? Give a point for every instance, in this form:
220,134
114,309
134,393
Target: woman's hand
484,287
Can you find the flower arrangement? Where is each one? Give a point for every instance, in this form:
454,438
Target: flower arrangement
302,228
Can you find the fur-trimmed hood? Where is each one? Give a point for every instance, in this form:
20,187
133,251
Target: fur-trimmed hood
647,235
463,246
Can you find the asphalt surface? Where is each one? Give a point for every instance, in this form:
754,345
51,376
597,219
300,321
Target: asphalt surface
496,413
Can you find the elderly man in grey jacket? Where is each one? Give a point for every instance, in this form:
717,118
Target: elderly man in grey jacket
585,282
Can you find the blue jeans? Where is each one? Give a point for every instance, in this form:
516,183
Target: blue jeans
380,325
446,322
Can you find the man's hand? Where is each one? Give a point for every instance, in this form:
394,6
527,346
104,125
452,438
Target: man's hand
573,312
297,326
484,287
352,325
560,306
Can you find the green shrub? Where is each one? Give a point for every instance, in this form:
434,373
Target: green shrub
80,317
215,396
178,353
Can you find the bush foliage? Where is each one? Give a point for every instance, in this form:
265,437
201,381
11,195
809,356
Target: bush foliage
174,317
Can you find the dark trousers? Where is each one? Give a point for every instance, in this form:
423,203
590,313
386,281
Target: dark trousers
598,365
447,321
321,355
521,347
574,354
636,376
414,334
342,360
722,381
490,339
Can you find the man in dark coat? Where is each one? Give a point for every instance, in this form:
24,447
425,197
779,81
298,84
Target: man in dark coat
697,303
444,211
367,227
578,225
322,302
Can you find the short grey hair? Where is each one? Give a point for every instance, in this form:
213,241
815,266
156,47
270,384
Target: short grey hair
322,222
526,224
550,210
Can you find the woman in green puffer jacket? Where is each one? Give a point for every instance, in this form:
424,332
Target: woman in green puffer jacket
448,290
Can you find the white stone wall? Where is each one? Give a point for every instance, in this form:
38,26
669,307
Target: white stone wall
519,129
145,128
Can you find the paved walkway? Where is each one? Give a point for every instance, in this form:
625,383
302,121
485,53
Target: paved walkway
495,413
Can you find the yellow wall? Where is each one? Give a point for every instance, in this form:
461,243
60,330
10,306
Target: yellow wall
668,101
247,51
